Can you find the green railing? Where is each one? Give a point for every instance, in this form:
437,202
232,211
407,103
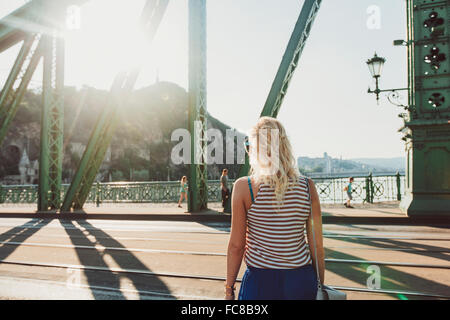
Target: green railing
368,189
113,192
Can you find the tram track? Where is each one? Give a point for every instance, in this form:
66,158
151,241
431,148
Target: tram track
12,243
212,228
197,277
364,237
217,254
325,235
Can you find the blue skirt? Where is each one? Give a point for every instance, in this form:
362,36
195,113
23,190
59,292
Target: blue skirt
279,284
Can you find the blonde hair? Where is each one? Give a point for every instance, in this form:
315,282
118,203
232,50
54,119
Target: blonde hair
271,158
182,178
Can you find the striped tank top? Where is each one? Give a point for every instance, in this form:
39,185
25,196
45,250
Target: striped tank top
276,236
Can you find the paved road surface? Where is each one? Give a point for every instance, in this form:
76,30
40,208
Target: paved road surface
116,259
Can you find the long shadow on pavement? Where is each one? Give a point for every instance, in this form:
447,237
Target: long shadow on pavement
442,253
19,234
391,278
88,235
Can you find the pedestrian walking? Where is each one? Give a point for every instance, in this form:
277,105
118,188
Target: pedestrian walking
183,190
349,190
224,187
271,209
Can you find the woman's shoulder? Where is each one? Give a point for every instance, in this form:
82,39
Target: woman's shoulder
241,181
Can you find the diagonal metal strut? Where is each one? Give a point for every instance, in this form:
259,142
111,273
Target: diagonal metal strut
289,64
101,136
18,81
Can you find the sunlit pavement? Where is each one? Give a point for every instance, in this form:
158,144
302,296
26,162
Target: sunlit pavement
120,259
379,213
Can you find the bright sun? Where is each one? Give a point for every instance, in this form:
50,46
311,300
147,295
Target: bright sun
109,40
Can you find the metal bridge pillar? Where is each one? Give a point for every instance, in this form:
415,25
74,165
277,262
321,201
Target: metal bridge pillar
427,124
52,119
198,193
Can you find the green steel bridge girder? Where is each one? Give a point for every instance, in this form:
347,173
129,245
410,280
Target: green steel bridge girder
25,24
10,99
15,26
52,116
103,131
17,67
288,65
291,58
23,21
426,130
35,20
198,189
97,145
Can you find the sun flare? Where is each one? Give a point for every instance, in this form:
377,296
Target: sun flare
109,39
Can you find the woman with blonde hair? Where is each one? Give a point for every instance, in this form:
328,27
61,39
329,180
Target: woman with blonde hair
183,190
270,211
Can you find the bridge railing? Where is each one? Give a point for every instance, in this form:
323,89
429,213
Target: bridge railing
113,192
367,189
145,192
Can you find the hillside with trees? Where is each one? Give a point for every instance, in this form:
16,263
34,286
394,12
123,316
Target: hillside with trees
141,146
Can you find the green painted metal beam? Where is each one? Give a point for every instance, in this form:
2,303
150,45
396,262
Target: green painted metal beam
21,73
15,26
427,123
198,193
103,131
17,67
52,117
18,24
291,58
288,65
88,167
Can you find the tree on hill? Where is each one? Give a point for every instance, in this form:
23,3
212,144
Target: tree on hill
142,139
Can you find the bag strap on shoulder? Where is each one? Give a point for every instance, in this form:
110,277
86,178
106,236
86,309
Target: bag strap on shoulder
251,190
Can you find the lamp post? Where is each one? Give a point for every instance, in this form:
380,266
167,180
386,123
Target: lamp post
375,65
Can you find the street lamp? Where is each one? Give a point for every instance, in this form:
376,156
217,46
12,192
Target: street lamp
375,65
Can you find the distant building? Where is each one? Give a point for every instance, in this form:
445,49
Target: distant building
28,172
328,166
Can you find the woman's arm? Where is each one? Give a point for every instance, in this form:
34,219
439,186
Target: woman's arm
317,215
236,245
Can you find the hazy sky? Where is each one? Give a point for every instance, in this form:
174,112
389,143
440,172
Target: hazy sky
327,108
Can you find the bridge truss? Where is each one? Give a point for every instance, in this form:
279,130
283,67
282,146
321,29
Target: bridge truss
38,25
